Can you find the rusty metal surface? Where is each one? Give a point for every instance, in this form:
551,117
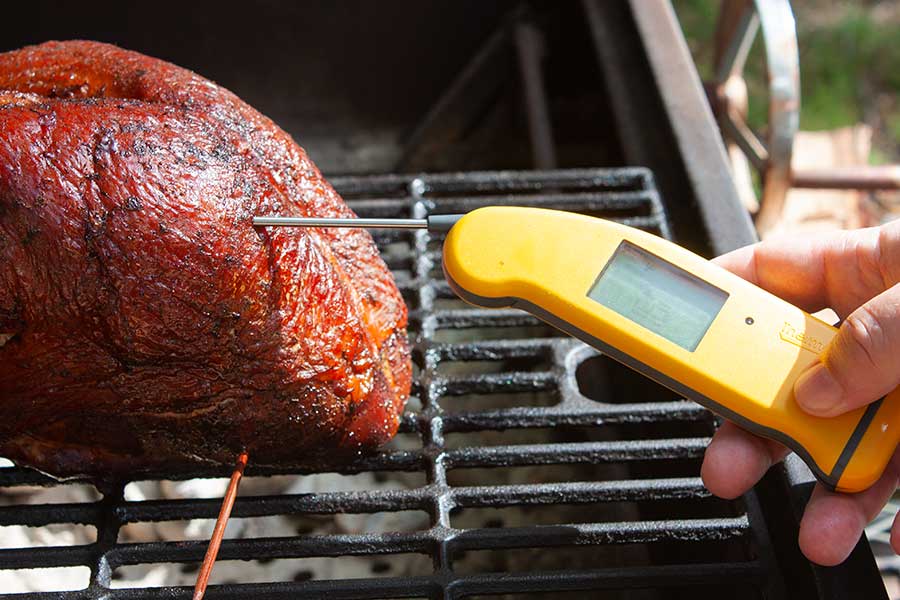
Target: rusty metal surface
850,178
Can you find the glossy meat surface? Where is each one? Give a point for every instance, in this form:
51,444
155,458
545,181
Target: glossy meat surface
145,324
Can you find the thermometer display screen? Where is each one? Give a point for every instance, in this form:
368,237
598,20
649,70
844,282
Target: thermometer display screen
657,295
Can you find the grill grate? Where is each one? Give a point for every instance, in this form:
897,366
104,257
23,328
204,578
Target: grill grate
508,417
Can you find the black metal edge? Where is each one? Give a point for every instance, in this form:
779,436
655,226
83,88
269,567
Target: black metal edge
857,577
666,123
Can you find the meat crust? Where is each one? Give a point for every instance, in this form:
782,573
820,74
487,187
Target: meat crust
145,324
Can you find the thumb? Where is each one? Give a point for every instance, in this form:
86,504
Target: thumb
861,364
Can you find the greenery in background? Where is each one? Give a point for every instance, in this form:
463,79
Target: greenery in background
849,65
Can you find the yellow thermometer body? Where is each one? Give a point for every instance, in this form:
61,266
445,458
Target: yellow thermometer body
676,318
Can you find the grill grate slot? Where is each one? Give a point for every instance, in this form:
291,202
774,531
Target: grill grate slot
622,455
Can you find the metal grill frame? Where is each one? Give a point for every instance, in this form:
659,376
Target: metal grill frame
628,196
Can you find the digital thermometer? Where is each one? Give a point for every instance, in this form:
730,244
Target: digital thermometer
667,313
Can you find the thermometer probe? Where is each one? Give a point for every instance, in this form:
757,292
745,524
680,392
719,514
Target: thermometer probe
666,312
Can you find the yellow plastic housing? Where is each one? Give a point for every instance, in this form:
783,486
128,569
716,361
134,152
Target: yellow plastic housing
744,367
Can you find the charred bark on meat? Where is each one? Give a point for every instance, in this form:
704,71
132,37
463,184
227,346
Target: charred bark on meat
153,326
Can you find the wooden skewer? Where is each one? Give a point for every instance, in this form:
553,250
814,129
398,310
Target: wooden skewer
213,549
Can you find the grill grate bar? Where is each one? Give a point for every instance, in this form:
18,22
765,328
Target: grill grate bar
18,476
576,452
612,203
383,461
536,536
477,318
596,534
44,514
47,556
425,186
657,576
580,492
539,536
374,588
371,501
286,504
494,350
273,548
592,413
510,382
695,575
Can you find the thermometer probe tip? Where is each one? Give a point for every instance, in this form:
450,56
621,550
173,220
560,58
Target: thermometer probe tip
432,223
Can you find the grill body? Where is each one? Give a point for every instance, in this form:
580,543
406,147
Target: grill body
533,467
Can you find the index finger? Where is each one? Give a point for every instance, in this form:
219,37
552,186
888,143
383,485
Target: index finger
837,269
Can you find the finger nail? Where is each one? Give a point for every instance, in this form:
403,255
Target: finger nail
817,392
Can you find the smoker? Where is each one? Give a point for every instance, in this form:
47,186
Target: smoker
527,464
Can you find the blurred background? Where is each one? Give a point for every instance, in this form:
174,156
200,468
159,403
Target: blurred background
849,59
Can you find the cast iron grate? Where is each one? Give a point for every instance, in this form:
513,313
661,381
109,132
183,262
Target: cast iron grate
606,494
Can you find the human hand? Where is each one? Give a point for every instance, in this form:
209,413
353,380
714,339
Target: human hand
857,274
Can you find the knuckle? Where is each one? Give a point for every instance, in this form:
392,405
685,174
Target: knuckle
866,336
888,253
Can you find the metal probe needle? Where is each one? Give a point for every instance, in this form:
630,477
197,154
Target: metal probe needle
326,222
432,223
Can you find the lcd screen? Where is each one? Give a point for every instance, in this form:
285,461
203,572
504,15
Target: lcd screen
657,295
